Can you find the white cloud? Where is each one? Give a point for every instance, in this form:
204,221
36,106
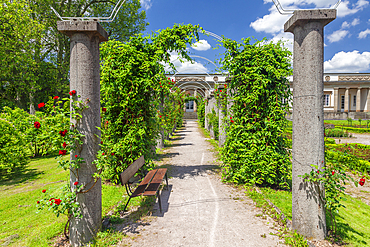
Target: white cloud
271,23
363,34
343,62
146,4
201,45
337,35
355,22
344,9
287,38
186,66
345,25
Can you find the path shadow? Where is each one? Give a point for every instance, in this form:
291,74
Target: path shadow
165,196
181,172
166,155
177,138
179,144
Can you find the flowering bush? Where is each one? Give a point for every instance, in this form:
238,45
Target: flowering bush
333,180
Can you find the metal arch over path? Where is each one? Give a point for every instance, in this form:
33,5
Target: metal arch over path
200,86
291,11
99,19
200,92
209,86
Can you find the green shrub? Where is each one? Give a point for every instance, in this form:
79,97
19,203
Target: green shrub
336,133
201,112
13,157
213,120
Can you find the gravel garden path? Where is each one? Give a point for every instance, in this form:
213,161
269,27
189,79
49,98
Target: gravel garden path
198,209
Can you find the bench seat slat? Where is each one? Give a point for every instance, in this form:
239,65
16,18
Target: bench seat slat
142,186
156,182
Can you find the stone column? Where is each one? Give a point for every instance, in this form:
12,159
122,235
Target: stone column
346,100
85,79
308,118
336,99
358,99
368,100
195,103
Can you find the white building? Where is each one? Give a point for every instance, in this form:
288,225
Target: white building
345,94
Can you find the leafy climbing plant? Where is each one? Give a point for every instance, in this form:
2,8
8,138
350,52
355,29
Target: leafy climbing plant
138,100
255,151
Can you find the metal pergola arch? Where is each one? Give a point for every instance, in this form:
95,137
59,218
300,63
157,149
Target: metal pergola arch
190,87
209,86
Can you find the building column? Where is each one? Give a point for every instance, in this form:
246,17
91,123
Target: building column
195,102
346,100
368,100
308,211
358,99
336,100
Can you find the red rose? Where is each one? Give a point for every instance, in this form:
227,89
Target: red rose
101,142
37,125
333,172
160,116
62,152
57,201
41,105
103,153
63,132
112,154
75,183
43,191
38,202
217,94
76,156
232,121
56,97
231,117
221,91
104,109
64,144
362,181
318,171
73,92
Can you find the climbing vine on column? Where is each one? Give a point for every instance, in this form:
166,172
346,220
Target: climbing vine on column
255,151
132,82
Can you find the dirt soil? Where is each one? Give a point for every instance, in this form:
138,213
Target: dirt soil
198,209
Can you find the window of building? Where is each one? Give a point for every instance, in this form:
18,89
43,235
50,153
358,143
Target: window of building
190,106
342,102
354,100
326,99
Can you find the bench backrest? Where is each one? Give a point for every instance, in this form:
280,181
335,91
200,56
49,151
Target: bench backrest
131,170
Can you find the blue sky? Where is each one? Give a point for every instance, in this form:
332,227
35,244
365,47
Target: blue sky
347,38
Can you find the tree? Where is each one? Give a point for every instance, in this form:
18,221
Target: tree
45,56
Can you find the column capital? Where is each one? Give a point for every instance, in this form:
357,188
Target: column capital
301,17
348,88
336,88
359,88
90,27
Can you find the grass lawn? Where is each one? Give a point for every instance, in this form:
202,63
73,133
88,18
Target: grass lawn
346,123
19,219
353,220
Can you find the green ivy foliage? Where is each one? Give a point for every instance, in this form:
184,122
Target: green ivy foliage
213,121
256,150
201,107
137,97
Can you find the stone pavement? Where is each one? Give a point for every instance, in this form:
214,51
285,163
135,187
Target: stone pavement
198,209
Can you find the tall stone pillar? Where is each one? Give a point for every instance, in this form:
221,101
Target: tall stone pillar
336,99
308,118
358,99
346,100
368,100
195,102
85,79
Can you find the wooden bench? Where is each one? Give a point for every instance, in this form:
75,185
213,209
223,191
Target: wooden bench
149,186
